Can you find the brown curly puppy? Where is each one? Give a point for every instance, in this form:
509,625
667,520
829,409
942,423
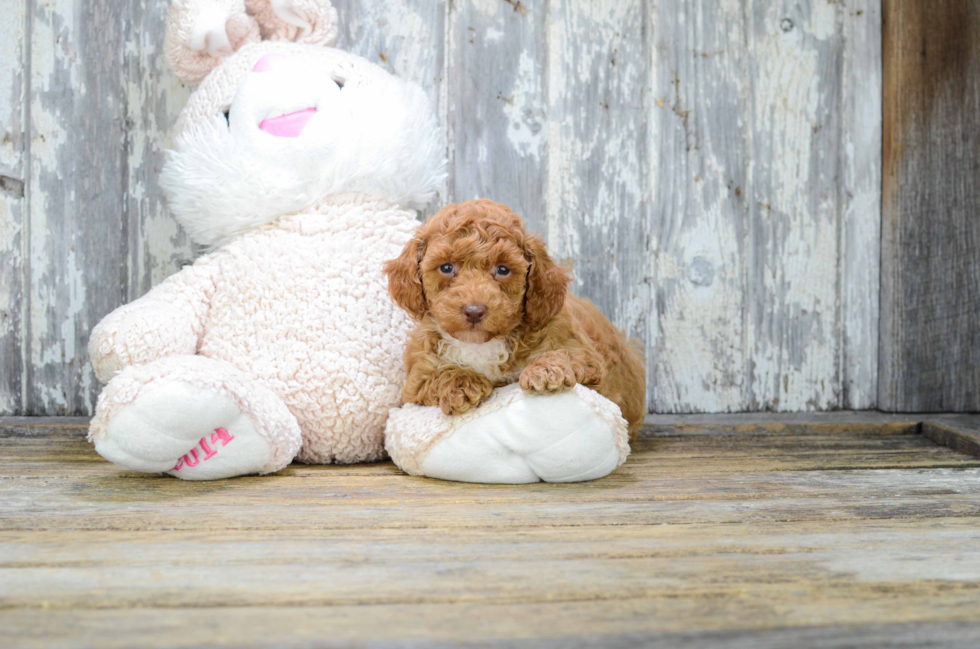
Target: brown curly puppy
493,309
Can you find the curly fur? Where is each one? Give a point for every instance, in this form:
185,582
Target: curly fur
533,332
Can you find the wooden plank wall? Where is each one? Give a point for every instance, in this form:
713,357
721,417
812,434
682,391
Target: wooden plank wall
86,103
764,205
13,90
930,290
711,169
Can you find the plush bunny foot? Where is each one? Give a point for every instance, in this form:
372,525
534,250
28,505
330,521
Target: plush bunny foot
179,429
512,438
193,418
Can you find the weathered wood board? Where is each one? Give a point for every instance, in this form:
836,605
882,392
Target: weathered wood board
860,196
156,246
498,105
854,534
958,432
760,111
599,154
77,227
711,170
930,289
13,205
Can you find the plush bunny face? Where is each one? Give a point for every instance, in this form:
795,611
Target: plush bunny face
278,126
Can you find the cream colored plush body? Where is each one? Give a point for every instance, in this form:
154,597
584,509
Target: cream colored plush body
298,309
300,305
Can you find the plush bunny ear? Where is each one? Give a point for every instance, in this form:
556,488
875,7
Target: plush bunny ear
301,21
200,33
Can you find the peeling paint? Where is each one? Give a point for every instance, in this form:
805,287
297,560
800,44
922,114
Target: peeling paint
527,130
712,169
747,185
795,245
154,98
75,196
861,191
497,106
597,159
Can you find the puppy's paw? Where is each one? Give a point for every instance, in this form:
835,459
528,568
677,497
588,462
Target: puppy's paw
462,391
548,374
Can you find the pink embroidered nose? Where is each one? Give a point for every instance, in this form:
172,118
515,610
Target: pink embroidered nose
269,62
290,125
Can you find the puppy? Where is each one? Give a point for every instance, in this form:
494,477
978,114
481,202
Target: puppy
493,309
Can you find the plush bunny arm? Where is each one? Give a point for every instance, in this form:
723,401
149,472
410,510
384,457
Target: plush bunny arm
201,33
168,320
301,21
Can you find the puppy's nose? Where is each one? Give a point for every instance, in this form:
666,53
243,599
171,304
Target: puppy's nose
475,312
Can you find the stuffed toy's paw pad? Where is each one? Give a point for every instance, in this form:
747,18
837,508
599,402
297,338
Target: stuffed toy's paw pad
185,432
512,438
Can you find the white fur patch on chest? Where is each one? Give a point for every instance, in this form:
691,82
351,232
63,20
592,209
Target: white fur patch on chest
483,358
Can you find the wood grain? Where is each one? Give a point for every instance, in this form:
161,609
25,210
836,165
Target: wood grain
612,624
14,50
710,169
756,250
864,535
316,569
930,289
156,247
792,205
697,351
498,106
598,154
757,478
958,432
77,233
860,203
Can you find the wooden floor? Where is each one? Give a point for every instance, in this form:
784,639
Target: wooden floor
717,532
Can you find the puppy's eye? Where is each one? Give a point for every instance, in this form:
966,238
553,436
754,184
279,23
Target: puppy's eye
447,269
502,271
227,116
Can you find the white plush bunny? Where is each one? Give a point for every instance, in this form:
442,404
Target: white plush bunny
300,167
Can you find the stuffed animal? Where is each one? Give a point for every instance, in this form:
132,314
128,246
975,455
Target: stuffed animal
300,168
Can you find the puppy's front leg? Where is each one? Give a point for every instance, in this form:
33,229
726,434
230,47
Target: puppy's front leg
454,389
588,365
560,369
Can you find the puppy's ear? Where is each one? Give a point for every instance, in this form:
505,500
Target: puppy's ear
547,285
405,277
